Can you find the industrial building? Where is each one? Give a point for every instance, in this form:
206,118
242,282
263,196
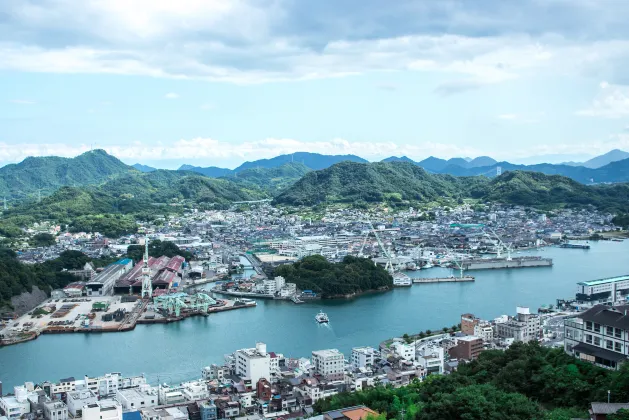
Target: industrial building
610,290
103,283
599,335
165,273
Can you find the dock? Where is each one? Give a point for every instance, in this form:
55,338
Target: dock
443,279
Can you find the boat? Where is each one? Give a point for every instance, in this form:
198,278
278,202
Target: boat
322,318
401,280
427,265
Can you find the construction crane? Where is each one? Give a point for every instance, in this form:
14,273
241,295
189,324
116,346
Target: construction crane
501,246
387,254
172,303
147,283
201,302
362,247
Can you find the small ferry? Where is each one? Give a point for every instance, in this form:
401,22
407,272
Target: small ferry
402,280
322,318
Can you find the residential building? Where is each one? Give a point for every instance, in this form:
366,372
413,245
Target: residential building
215,372
467,348
133,399
363,357
329,363
350,413
76,400
102,410
253,363
599,335
17,405
600,411
524,327
432,359
403,350
55,410
468,323
170,395
208,410
195,391
484,331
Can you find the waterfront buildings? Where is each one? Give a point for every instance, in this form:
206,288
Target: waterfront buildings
524,327
329,363
132,399
102,410
610,290
103,283
362,357
466,348
17,405
599,335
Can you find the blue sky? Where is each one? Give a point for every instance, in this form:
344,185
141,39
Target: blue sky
213,82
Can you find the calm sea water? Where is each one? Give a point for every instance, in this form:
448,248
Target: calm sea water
176,352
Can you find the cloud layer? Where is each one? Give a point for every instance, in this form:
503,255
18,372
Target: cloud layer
255,41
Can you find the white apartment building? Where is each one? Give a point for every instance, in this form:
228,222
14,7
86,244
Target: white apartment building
55,410
363,357
16,406
253,363
170,395
432,359
76,400
133,399
214,372
484,331
403,350
329,363
195,391
103,410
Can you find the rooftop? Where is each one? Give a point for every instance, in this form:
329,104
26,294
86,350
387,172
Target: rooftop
603,281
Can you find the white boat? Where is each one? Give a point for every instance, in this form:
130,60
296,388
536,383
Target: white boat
427,265
322,318
401,280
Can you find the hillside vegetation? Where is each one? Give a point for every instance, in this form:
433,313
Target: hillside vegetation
526,381
393,182
272,180
351,276
49,173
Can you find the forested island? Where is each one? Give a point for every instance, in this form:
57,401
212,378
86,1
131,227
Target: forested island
526,381
349,277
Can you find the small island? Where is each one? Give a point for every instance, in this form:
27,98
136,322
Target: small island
350,277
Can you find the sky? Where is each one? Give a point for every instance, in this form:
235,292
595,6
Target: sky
215,82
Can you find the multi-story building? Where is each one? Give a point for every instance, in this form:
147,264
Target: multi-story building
599,335
524,327
55,410
405,351
170,395
484,331
432,359
610,290
468,323
253,363
215,372
467,348
102,410
208,410
329,363
363,357
195,391
76,400
17,405
133,399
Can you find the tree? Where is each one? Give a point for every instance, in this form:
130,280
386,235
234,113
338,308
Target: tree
157,249
42,239
428,332
622,414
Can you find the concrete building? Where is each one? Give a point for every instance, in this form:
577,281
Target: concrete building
484,331
610,290
524,327
17,405
467,348
329,363
102,410
215,372
432,359
55,410
195,391
208,411
253,363
170,395
133,399
363,357
103,283
469,323
403,350
76,400
600,335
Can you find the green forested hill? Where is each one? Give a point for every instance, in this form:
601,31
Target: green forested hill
350,182
272,180
49,173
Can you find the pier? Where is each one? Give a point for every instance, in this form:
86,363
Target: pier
443,279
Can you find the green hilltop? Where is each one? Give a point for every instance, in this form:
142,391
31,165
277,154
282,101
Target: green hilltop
48,173
395,182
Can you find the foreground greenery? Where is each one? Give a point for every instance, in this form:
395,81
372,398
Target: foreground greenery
403,183
350,276
527,381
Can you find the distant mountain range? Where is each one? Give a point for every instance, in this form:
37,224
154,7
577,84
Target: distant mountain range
211,171
143,168
434,164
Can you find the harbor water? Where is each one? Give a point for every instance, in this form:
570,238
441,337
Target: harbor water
177,352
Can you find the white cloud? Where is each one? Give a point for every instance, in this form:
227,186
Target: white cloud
171,95
22,102
612,102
